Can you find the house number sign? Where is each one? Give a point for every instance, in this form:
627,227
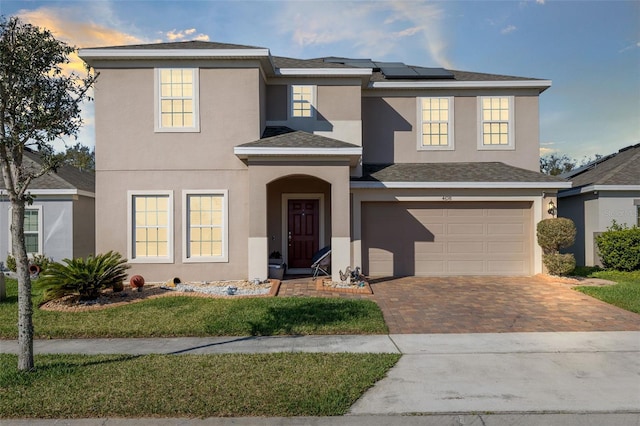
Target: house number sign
446,198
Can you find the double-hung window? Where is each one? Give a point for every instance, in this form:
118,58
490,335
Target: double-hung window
303,99
151,227
177,108
496,122
436,123
32,230
205,233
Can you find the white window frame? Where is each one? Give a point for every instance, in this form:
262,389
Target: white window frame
186,258
314,97
450,126
158,104
131,234
40,229
511,124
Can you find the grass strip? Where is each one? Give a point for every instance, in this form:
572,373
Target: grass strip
191,316
625,294
281,384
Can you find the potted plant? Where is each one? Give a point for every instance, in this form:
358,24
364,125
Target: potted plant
276,265
275,258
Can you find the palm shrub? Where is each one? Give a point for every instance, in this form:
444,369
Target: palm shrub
84,278
554,234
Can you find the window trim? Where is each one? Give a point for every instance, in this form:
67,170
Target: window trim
37,207
314,100
130,226
511,123
186,223
450,146
195,99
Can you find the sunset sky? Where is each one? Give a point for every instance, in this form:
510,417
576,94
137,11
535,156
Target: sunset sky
590,50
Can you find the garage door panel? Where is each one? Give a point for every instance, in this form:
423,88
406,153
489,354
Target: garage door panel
407,238
506,229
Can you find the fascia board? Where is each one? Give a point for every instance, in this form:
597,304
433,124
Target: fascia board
302,72
247,151
170,53
511,84
594,188
50,192
462,185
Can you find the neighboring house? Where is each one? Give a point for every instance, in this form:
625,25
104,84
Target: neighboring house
210,156
60,223
604,190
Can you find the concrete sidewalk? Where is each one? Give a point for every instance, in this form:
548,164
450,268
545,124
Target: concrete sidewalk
594,373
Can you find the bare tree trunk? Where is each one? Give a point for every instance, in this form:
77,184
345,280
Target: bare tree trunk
25,307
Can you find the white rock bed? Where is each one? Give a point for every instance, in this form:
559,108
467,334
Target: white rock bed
221,288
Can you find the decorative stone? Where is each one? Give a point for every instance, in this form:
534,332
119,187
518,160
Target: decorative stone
137,282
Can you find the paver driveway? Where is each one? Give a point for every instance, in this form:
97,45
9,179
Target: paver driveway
483,305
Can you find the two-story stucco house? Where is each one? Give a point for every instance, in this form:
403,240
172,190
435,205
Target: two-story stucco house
210,156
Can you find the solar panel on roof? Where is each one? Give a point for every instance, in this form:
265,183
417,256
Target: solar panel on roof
398,72
358,63
433,72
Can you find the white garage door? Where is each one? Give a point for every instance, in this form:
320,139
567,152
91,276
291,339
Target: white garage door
454,238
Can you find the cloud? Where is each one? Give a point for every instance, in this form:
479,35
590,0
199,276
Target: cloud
540,1
508,29
372,29
180,35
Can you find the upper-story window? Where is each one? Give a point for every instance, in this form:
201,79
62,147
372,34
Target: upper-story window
436,118
177,108
303,100
496,122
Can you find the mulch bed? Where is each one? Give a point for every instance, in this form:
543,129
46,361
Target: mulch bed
110,299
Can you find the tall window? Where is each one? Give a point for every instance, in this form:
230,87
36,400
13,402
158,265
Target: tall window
32,230
177,97
436,119
302,100
151,226
206,228
496,117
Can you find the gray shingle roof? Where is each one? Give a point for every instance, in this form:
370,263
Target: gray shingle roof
296,139
66,177
621,168
451,172
194,44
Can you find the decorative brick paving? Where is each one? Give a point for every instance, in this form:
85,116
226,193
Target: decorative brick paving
482,305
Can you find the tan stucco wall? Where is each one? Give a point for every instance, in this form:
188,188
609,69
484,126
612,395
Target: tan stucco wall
84,226
390,133
338,109
111,206
229,116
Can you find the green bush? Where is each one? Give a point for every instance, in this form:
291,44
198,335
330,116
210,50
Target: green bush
619,247
40,260
559,264
11,263
84,278
556,233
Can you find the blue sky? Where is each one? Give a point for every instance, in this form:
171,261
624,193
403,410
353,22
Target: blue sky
590,50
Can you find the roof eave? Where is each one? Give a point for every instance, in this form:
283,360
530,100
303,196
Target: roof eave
112,54
542,85
456,185
594,188
354,154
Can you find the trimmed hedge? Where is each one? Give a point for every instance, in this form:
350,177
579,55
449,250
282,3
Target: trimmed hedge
554,234
619,247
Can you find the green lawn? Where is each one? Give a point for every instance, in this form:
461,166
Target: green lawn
625,294
191,316
291,384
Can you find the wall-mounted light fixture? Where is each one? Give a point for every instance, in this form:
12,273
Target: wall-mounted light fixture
552,208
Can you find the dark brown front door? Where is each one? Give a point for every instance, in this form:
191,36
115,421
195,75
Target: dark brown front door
303,232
